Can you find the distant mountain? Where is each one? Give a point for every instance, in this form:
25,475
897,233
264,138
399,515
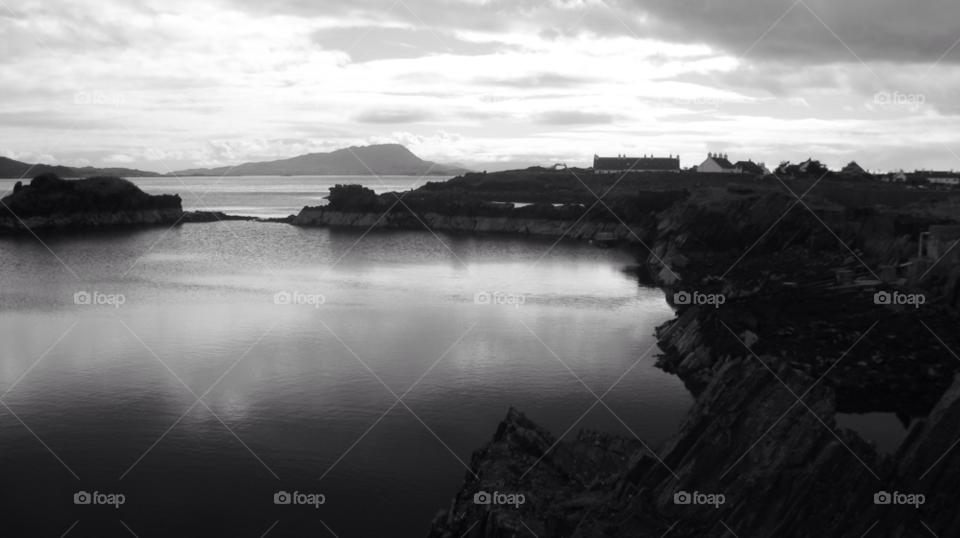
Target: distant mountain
11,169
380,159
459,165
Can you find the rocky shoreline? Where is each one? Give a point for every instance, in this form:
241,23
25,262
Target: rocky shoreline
773,453
50,203
798,337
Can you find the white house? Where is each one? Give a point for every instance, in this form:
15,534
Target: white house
717,163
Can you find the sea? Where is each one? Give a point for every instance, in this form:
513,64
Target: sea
207,372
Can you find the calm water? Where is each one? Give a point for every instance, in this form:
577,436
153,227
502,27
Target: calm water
267,196
299,397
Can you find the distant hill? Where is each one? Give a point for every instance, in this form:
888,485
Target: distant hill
380,159
11,169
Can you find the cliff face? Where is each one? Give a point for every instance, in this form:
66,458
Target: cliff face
49,202
781,465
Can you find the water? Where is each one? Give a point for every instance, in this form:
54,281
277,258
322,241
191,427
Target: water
292,393
268,196
886,430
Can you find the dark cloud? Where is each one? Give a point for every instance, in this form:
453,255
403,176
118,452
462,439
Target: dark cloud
896,31
392,116
875,30
573,117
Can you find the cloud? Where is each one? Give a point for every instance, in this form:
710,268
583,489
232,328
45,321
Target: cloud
392,116
543,80
410,139
573,117
119,158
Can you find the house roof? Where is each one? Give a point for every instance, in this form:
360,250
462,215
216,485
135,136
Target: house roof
853,167
750,167
635,163
723,163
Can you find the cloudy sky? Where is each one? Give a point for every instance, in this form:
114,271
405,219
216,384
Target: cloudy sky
173,84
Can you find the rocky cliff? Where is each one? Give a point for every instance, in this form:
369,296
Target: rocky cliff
49,202
761,435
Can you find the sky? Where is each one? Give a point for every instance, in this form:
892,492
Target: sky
168,85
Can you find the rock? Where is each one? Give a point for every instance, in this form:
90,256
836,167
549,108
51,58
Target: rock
53,203
749,338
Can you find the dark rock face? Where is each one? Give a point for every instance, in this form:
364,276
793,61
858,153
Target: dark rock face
562,484
783,468
457,209
49,202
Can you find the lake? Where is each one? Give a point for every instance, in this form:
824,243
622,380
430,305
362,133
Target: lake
300,394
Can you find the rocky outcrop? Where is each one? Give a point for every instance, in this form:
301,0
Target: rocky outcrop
629,217
435,221
68,221
49,202
761,435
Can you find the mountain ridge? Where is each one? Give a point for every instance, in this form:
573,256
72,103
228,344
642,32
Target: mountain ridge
377,159
13,169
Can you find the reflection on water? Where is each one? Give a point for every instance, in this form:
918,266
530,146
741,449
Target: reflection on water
292,393
884,429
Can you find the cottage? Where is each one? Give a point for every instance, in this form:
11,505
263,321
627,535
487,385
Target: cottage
752,168
717,163
622,163
852,169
